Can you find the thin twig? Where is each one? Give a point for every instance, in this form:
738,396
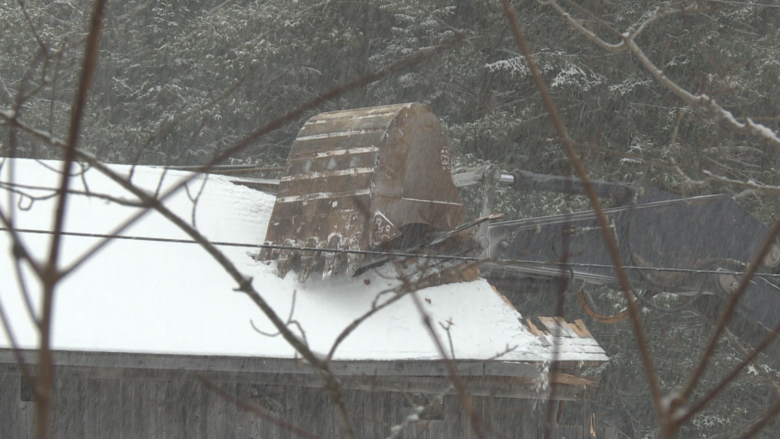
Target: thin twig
352,326
256,410
271,126
609,240
452,371
26,374
728,313
50,279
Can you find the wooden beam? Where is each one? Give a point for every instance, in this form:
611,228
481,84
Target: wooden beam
117,364
565,325
584,329
571,380
555,328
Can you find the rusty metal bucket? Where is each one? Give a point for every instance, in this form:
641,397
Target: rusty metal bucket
354,181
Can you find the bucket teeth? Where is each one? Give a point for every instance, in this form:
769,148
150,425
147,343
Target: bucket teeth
354,259
283,265
265,253
286,259
352,265
332,260
309,260
327,269
339,264
306,268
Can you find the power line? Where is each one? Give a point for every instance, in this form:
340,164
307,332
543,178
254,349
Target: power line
507,262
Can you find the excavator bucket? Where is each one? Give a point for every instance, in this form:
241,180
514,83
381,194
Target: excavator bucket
355,181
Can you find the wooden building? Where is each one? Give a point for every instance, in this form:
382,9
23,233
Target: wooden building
148,329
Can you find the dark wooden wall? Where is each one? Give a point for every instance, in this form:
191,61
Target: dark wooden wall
148,404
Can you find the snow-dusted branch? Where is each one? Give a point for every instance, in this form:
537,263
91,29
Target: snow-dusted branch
628,42
609,239
748,185
455,379
748,127
662,12
610,47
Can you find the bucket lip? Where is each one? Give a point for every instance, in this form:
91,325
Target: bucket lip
371,111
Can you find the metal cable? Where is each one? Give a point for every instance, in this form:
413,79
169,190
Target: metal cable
508,262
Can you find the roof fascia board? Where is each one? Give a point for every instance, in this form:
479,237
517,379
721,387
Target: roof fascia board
197,363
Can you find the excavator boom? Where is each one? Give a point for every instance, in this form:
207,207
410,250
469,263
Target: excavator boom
667,243
363,180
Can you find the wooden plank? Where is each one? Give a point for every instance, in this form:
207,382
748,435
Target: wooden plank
111,407
230,415
538,333
571,380
246,421
158,406
528,420
534,330
374,412
311,416
26,420
557,327
56,397
69,407
192,404
173,412
333,427
111,365
139,419
566,327
9,403
584,329
354,401
552,326
491,417
220,413
574,328
467,427
452,417
280,402
92,409
182,412
147,398
394,412
511,417
125,414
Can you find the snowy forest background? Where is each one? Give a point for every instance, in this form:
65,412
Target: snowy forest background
179,81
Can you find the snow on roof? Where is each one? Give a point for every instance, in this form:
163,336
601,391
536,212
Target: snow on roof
146,296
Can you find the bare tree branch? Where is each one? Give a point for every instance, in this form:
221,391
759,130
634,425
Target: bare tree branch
614,251
696,100
259,412
46,372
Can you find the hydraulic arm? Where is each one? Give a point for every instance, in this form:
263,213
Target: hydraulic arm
667,243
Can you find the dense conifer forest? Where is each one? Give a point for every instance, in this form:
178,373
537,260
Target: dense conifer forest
179,81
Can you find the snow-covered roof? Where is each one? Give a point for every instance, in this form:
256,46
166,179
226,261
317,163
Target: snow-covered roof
170,297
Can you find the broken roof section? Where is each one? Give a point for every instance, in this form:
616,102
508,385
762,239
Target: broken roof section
153,291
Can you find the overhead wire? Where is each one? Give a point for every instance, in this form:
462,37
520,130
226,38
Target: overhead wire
479,259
